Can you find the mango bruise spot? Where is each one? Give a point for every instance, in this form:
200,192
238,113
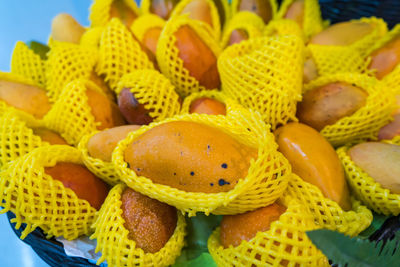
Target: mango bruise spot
190,156
385,59
205,105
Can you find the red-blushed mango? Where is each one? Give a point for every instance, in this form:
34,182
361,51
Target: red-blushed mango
386,58
206,105
132,110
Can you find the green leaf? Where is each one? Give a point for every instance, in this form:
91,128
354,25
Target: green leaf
39,49
355,252
204,260
375,225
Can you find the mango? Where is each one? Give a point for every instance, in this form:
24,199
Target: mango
296,12
386,58
262,8
206,105
237,36
199,10
119,9
392,129
150,39
132,110
49,136
65,28
163,8
310,70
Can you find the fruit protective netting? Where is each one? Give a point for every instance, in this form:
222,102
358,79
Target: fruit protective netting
120,53
273,3
154,91
283,27
115,246
312,19
252,24
214,29
91,37
332,59
67,62
284,244
144,23
365,123
366,189
100,11
265,74
71,115
230,104
26,63
38,200
267,177
326,212
171,65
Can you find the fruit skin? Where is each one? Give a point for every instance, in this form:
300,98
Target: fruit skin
296,12
380,161
150,223
150,39
190,156
102,144
260,7
236,228
199,10
206,105
344,33
28,98
314,160
386,58
197,57
65,28
49,136
310,70
163,8
119,9
392,129
327,104
237,36
133,112
80,180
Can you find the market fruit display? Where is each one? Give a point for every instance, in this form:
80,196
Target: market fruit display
262,120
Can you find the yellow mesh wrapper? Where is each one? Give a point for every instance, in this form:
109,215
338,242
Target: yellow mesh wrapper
283,27
266,180
167,54
154,91
71,115
396,140
284,244
91,37
235,6
334,59
38,200
265,74
144,23
326,212
252,24
100,11
68,62
365,123
120,53
214,29
312,19
366,189
115,246
26,63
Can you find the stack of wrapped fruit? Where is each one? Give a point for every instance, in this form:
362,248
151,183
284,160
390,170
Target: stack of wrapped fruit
186,107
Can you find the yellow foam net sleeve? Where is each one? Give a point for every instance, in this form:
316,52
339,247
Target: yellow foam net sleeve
67,62
365,123
119,53
235,7
144,23
71,115
100,11
283,27
171,65
334,59
265,75
326,212
214,28
115,246
267,177
26,63
38,200
154,91
312,19
252,24
91,37
284,244
366,189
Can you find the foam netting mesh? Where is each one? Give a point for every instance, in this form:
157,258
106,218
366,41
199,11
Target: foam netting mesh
38,200
154,91
267,177
396,140
365,123
252,24
214,28
115,246
284,244
326,212
144,23
283,27
273,3
335,59
71,115
371,193
312,19
100,11
230,104
120,53
91,37
67,62
26,63
171,65
265,74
